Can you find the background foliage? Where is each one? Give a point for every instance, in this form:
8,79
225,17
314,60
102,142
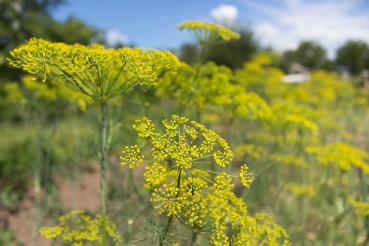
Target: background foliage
306,144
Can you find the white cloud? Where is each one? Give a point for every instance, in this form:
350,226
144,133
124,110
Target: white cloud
330,23
114,37
225,14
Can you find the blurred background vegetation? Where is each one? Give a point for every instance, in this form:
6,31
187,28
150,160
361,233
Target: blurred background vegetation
311,202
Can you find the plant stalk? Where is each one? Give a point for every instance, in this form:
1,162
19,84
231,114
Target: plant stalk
170,219
36,179
102,173
76,171
193,239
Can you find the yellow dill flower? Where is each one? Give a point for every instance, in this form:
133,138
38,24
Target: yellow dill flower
79,228
144,127
172,125
302,122
252,106
226,212
32,92
268,230
170,202
208,33
131,155
223,185
51,232
203,199
248,150
155,175
93,70
341,155
245,176
205,84
175,145
238,103
201,172
194,209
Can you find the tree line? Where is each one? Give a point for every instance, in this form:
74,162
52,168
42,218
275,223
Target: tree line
353,56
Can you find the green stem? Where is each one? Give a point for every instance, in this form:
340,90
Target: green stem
170,219
76,171
193,82
36,179
102,172
146,105
198,115
230,140
193,239
363,188
128,205
202,54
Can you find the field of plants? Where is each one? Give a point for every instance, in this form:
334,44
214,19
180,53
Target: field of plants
179,154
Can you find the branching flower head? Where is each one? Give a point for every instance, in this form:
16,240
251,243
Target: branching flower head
170,202
252,106
208,33
176,145
268,230
183,188
341,155
93,70
78,228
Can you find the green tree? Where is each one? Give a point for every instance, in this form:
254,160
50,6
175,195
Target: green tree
311,55
18,21
21,20
355,55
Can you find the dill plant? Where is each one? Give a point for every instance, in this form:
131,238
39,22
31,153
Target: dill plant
307,144
183,187
99,73
205,34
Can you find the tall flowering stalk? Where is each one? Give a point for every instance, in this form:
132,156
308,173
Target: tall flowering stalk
96,72
184,188
205,34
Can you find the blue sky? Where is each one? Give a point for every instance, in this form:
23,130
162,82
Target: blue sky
281,24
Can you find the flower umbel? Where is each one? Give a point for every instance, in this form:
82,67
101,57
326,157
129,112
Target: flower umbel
93,70
131,156
245,176
185,187
208,33
78,228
